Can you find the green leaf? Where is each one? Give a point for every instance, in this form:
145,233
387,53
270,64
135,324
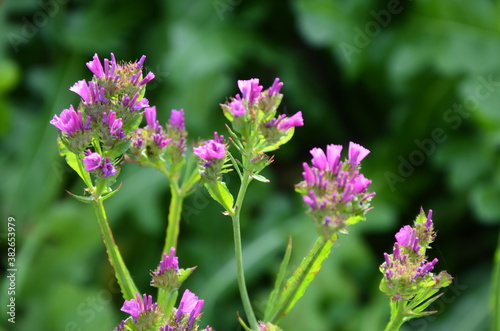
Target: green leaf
74,162
302,277
81,198
271,305
260,178
283,140
219,192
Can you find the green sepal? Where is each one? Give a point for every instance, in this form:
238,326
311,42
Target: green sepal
354,219
283,140
219,192
271,307
109,194
260,178
81,198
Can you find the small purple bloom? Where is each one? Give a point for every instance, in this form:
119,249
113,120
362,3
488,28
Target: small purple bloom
137,306
107,168
250,89
290,122
150,114
189,304
92,161
213,149
360,184
237,108
319,158
82,89
177,119
308,174
133,103
428,222
109,70
333,157
356,153
167,327
160,140
69,121
169,262
149,77
275,88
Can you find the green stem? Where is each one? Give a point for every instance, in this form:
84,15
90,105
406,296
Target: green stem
239,255
174,218
495,293
122,274
397,316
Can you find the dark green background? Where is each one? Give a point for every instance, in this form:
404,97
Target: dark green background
416,82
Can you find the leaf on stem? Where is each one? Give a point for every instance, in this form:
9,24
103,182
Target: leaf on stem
220,193
271,305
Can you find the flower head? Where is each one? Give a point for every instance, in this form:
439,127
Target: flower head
250,89
213,149
406,272
108,168
177,119
189,306
136,307
335,191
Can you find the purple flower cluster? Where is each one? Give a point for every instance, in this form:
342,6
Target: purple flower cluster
253,114
160,146
107,113
335,191
211,150
406,271
138,306
187,315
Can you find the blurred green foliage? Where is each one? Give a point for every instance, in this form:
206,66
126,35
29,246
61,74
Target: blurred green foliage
416,82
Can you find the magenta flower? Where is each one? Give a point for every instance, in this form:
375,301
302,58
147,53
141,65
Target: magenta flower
109,70
92,161
237,108
107,168
250,89
169,262
275,88
133,103
160,140
407,237
356,153
138,306
189,304
213,149
150,114
70,121
333,190
114,124
290,122
177,119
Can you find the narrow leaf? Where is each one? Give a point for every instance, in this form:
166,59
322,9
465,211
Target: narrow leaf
302,277
271,307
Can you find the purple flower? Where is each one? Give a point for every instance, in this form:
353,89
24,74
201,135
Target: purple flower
189,304
290,122
275,88
92,161
114,124
169,262
250,89
407,237
107,168
177,119
160,140
149,77
109,70
90,93
69,121
150,114
167,327
133,103
237,108
136,307
356,153
213,149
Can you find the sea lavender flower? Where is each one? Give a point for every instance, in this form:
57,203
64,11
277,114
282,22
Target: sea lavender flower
136,307
284,123
335,192
70,121
92,160
250,90
168,275
407,275
211,150
189,308
108,168
275,88
177,119
90,92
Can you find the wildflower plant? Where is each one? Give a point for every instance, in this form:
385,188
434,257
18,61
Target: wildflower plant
103,133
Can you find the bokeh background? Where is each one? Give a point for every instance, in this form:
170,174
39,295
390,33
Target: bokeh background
416,82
